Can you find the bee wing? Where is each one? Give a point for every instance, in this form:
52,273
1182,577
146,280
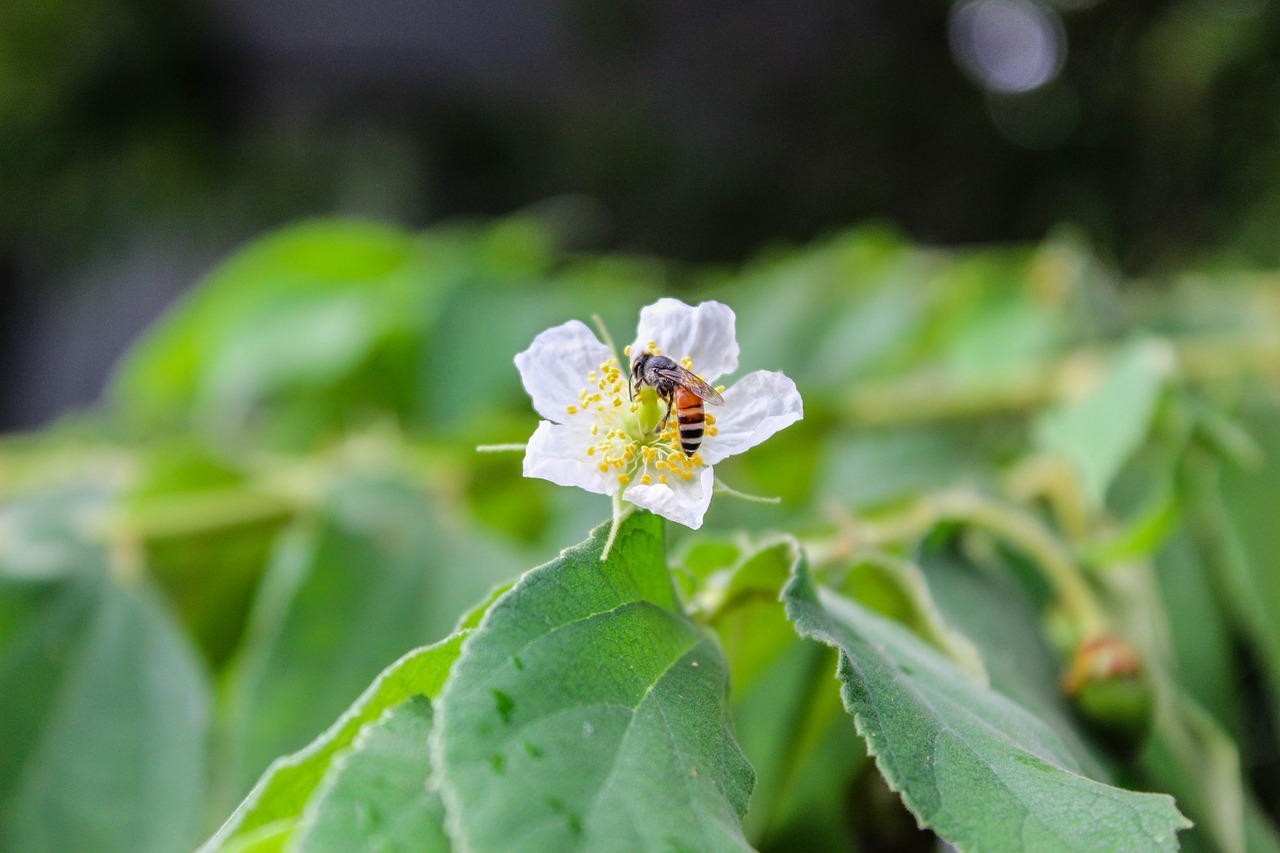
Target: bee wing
690,381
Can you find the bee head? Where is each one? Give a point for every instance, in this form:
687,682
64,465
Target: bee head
637,371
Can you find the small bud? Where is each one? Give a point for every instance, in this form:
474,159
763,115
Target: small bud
1111,691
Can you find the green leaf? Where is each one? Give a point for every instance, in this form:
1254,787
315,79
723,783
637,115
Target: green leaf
120,762
275,804
379,571
306,308
1204,660
971,765
376,795
1239,509
587,713
1099,431
43,624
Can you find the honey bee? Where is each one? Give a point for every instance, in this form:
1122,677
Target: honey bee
681,389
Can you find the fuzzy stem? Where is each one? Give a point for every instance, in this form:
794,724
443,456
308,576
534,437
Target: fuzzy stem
499,448
619,514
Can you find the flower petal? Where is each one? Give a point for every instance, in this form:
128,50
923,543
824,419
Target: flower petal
755,407
556,452
683,501
705,334
555,366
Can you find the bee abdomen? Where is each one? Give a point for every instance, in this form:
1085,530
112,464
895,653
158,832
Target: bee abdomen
691,420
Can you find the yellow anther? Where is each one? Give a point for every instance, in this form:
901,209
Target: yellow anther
624,479
686,475
617,401
711,419
604,467
591,451
646,479
653,347
687,362
591,377
595,429
626,350
662,478
713,430
719,389
573,410
696,459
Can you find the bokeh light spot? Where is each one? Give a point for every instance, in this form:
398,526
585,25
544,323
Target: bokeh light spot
1008,46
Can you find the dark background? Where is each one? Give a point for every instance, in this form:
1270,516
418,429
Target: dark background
141,140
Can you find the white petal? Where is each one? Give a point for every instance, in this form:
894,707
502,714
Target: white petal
683,501
757,406
705,334
555,366
557,452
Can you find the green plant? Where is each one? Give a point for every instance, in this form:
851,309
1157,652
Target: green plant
1022,571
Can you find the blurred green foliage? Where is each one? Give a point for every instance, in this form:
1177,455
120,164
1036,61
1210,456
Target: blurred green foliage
1008,454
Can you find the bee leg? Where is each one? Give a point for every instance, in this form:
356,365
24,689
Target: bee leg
662,424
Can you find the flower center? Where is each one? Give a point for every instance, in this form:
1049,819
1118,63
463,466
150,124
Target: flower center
635,439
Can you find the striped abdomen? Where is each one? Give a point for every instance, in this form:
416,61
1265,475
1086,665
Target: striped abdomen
691,420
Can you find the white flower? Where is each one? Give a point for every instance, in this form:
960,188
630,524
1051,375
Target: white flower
598,438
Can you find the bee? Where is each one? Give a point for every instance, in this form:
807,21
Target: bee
682,390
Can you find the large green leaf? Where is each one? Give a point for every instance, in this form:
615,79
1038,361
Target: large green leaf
377,572
587,713
42,628
1204,661
1100,430
972,765
274,807
376,796
120,762
1240,511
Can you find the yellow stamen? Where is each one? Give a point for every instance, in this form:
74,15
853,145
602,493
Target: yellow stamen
591,451
687,362
626,350
624,479
573,410
719,389
604,467
646,479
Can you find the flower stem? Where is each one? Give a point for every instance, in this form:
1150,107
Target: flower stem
499,448
619,513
